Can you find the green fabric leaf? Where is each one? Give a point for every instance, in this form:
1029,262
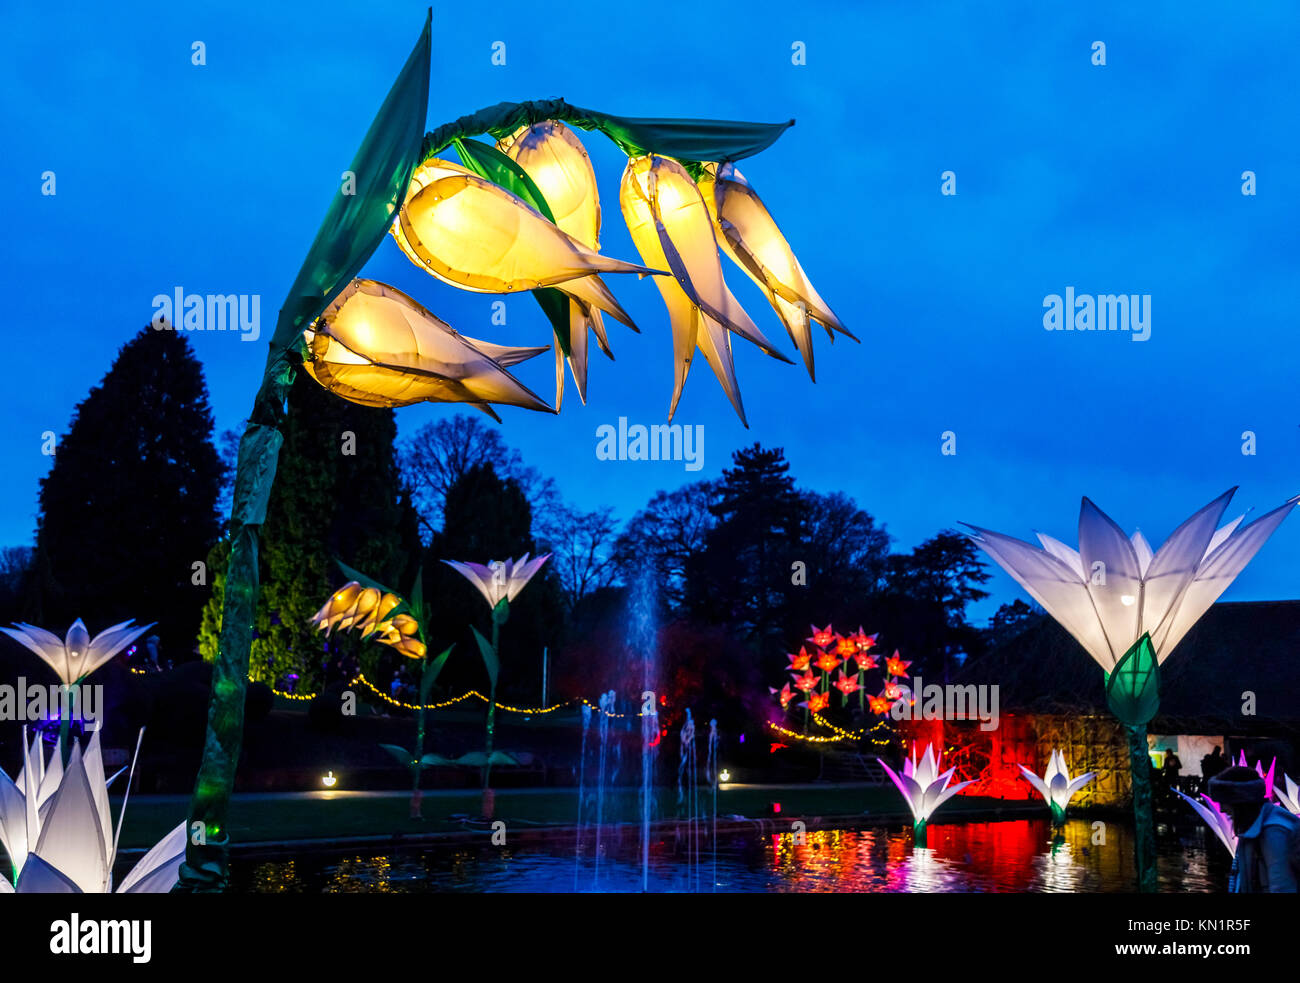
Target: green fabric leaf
555,305
687,140
362,579
403,756
431,674
259,451
489,656
1133,688
477,759
353,227
501,613
429,760
415,600
356,224
491,164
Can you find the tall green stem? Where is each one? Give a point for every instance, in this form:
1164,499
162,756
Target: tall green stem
206,867
417,768
1144,829
492,705
65,724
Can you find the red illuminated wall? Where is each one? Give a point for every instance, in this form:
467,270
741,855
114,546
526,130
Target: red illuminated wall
988,758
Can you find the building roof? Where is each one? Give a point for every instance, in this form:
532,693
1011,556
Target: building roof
1237,647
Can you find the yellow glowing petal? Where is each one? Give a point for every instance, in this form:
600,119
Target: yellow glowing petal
475,234
751,239
411,355
670,224
553,156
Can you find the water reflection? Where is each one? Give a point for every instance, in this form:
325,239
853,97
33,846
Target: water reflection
1015,856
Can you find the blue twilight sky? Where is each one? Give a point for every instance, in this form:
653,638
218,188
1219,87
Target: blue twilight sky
1117,179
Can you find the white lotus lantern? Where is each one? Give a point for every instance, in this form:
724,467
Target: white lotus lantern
1056,787
57,829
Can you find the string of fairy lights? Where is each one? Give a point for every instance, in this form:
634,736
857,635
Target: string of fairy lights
837,733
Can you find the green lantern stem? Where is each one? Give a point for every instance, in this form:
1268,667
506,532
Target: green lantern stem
1144,827
492,707
1133,693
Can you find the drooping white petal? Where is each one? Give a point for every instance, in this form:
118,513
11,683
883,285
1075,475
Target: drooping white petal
671,228
156,872
1175,563
1039,785
46,645
1215,819
1080,782
1066,554
109,642
480,576
1214,575
903,789
1116,596
1222,533
1057,587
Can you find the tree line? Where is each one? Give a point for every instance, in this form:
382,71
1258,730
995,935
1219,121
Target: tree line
733,569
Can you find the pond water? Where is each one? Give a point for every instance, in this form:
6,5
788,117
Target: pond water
1009,856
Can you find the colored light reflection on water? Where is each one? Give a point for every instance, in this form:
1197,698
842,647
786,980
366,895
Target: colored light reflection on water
1013,856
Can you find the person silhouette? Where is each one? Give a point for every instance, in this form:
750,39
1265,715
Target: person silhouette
1213,763
1263,862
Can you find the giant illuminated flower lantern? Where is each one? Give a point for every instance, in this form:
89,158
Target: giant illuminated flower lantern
375,612
516,212
1056,787
57,829
500,582
76,655
831,651
924,787
1129,605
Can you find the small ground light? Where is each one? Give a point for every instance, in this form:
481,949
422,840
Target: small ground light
329,781
724,775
